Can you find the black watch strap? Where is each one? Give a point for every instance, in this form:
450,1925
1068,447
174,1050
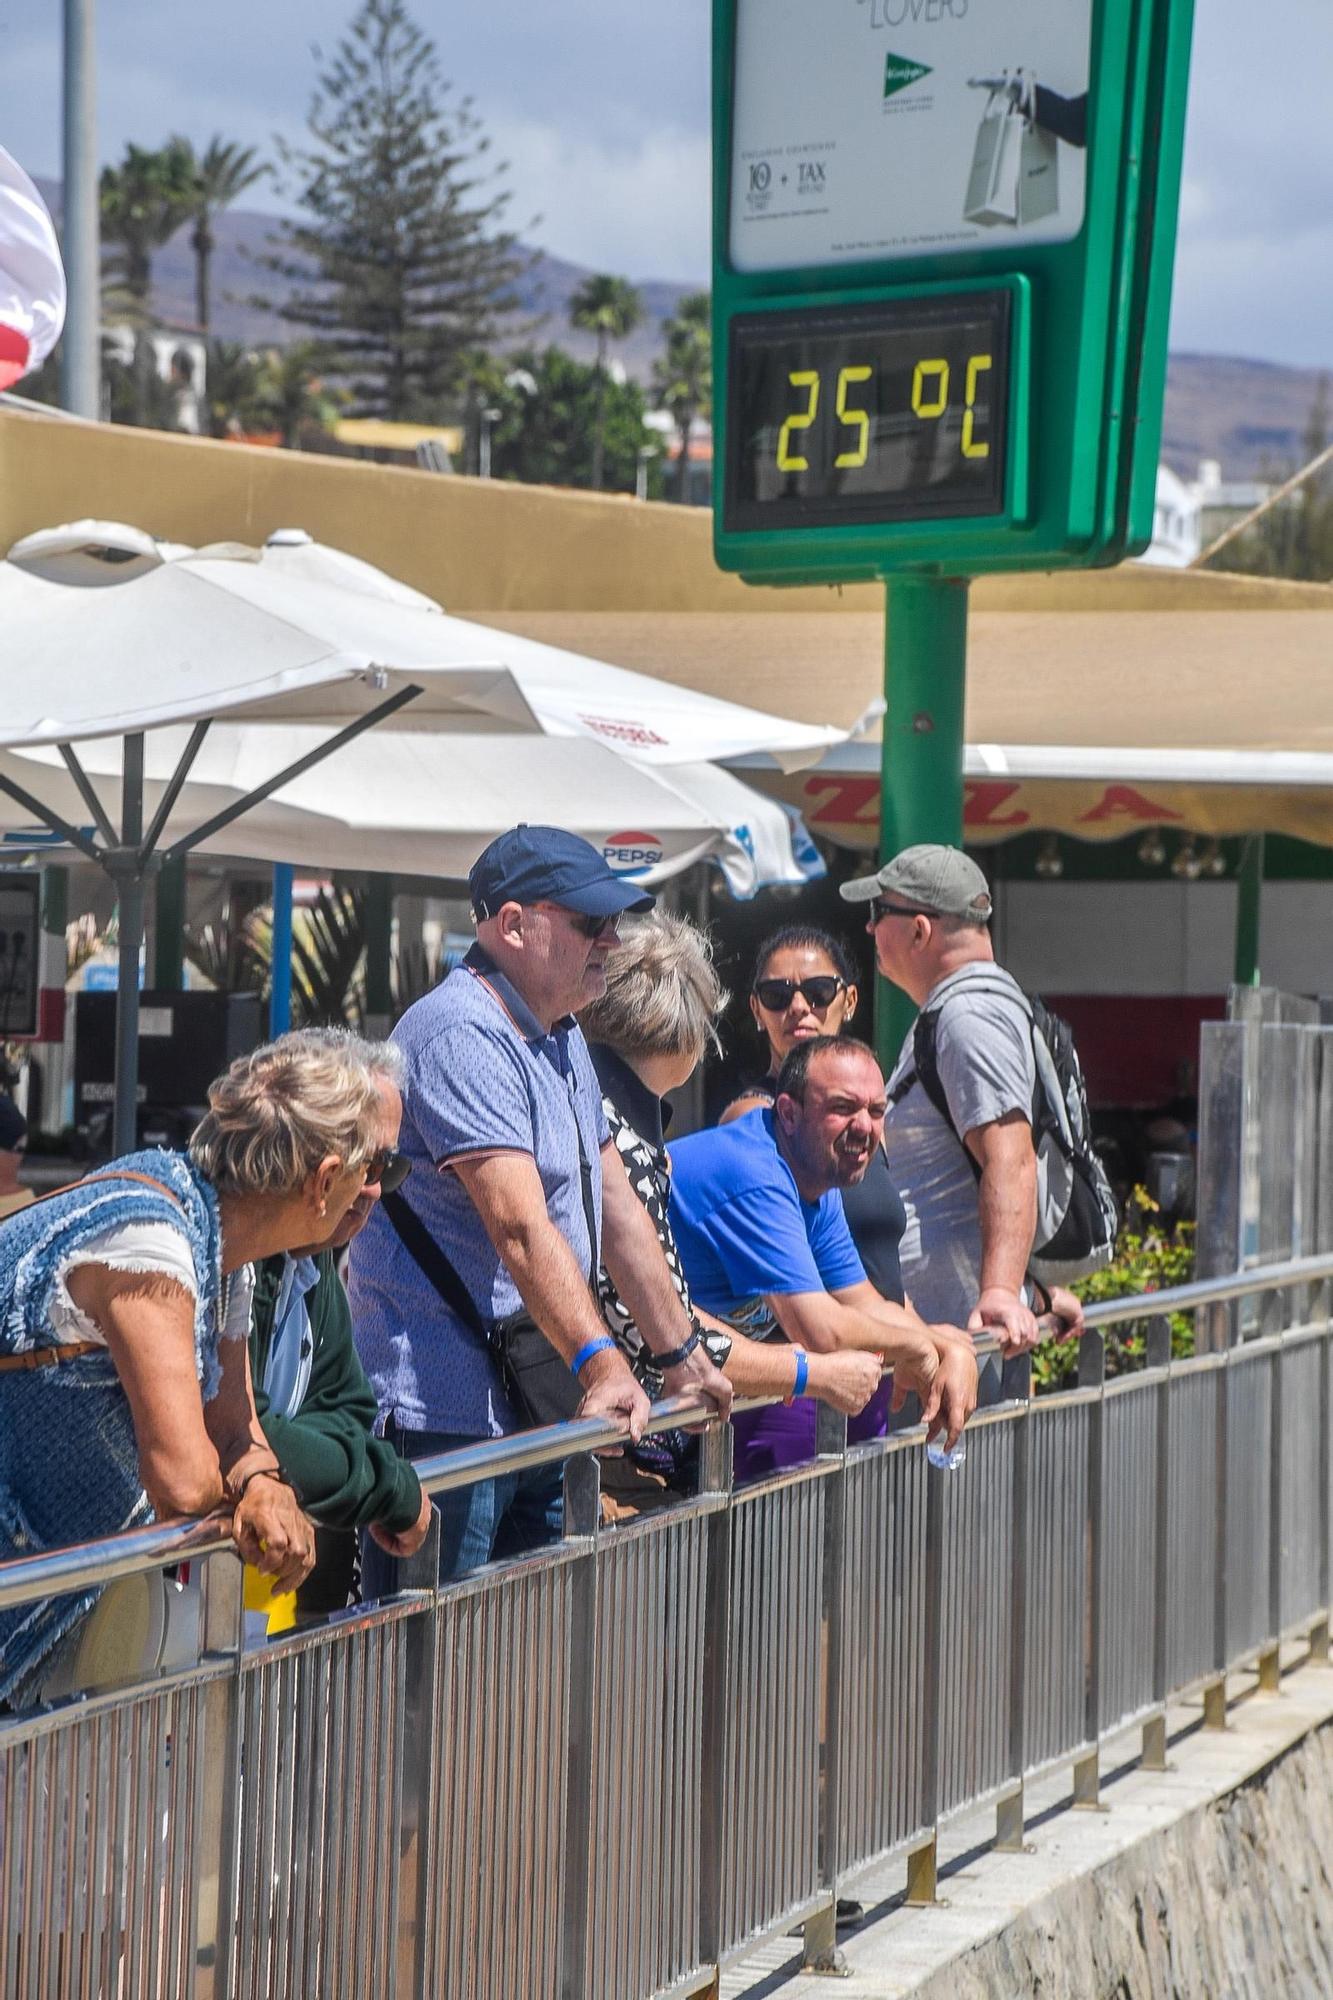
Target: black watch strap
678,1354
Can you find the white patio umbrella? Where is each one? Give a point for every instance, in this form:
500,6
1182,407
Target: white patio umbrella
295,632
105,631
413,804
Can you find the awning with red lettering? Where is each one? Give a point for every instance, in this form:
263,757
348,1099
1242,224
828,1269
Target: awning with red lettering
1097,703
1087,795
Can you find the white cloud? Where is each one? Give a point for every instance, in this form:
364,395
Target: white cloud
641,209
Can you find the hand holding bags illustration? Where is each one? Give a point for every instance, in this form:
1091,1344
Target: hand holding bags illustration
1038,164
1015,163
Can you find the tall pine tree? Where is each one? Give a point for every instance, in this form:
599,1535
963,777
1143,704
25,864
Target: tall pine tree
399,265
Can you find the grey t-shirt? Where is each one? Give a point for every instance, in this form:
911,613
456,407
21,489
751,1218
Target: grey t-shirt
984,1055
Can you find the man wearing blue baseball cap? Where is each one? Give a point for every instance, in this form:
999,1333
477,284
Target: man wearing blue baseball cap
470,1288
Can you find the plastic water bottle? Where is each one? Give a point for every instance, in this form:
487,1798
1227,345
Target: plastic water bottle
939,1455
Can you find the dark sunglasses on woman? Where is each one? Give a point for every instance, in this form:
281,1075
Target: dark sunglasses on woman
387,1170
777,994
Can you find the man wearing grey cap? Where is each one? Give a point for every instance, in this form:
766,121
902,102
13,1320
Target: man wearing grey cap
970,1221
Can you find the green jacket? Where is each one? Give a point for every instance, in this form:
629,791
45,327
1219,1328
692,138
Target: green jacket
344,1476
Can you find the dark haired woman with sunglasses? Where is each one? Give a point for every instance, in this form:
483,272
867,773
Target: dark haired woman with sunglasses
804,985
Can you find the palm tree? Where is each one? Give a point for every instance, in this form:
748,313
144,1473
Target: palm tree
143,202
297,403
610,308
234,375
218,176
683,378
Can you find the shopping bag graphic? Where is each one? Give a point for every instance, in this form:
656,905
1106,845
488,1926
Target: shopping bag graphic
1038,167
992,185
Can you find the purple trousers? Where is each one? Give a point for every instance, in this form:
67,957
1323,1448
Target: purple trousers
783,1435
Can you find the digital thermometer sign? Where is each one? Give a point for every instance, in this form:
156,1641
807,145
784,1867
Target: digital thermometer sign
889,412
943,239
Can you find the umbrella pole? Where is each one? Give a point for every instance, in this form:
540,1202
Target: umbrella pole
127,872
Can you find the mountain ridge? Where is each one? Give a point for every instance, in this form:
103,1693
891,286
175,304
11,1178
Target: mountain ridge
1250,415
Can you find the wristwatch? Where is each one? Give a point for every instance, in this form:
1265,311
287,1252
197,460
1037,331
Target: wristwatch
663,1362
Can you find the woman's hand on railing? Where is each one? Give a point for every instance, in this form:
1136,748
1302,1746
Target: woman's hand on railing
272,1533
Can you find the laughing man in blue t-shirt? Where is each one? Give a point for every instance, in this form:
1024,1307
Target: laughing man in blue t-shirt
760,1229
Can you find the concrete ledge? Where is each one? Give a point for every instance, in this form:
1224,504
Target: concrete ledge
1212,1880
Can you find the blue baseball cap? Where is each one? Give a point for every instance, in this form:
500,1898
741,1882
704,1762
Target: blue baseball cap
544,864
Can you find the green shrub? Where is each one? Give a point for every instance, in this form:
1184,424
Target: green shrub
1149,1257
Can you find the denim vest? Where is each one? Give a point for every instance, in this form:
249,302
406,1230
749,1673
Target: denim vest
69,1463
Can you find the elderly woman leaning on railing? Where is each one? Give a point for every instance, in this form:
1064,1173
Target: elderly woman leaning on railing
125,1386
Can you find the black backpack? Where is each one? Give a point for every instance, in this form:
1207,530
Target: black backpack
1077,1218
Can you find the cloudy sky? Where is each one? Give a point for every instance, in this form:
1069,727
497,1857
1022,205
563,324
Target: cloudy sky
601,108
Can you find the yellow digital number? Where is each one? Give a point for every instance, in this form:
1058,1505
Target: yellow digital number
788,460
855,420
923,374
977,365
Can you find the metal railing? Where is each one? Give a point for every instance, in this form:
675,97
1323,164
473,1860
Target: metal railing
608,1769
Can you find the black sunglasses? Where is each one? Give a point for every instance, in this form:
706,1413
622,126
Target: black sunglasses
778,994
879,909
387,1170
588,927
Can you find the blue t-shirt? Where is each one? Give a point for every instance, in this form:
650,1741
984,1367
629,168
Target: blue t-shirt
742,1229
479,1075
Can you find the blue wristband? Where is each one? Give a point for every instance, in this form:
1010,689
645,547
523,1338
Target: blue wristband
597,1345
802,1373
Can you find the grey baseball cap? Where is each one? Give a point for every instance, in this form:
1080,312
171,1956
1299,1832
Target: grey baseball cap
940,880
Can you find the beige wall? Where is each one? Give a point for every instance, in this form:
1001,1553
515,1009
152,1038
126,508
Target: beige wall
481,545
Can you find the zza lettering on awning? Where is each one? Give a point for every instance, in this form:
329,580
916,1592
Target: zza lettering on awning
844,807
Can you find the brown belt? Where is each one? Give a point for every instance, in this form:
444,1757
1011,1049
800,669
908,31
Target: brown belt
50,1357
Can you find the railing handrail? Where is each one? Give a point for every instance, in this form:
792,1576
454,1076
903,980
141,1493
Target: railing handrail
88,1565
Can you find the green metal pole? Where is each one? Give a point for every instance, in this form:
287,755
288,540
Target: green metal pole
921,770
169,927
1250,888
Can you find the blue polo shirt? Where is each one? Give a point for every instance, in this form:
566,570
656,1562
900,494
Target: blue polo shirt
743,1230
479,1074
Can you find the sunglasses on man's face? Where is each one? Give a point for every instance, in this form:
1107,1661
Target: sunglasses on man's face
777,994
387,1170
588,927
879,909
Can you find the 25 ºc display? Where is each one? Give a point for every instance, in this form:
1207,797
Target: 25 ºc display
891,412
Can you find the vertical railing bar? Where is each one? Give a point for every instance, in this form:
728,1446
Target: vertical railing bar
582,1510
1325,1459
1009,1818
213,1925
1269,1661
1092,1374
1157,1354
715,1477
821,1936
922,1862
1215,1694
419,1727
